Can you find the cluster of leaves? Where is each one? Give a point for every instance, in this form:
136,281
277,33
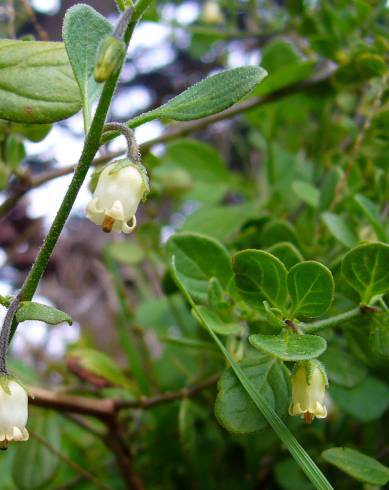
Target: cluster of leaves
282,256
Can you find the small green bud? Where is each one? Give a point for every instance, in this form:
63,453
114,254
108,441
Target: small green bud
109,56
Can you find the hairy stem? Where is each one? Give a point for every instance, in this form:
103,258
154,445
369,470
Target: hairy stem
91,145
331,322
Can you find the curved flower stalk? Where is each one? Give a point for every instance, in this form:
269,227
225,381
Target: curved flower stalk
309,383
13,412
120,188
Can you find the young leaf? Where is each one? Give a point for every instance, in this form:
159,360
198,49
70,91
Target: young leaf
260,276
37,83
359,466
372,214
83,30
339,229
233,407
125,252
289,347
216,323
365,268
198,258
311,288
36,311
212,95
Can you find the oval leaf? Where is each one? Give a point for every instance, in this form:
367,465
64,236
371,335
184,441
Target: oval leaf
359,466
260,276
342,368
311,288
290,347
366,269
83,30
234,408
36,311
212,95
36,82
339,229
198,259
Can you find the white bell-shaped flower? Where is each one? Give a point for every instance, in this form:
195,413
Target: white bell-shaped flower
309,383
13,412
119,190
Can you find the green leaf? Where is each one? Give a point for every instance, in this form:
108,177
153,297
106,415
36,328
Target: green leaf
372,214
15,151
357,465
201,163
365,268
366,402
34,465
207,97
287,253
273,316
306,192
311,288
260,276
216,323
83,30
379,335
289,346
198,259
100,364
290,477
234,408
36,82
277,231
125,252
36,311
220,222
342,368
339,229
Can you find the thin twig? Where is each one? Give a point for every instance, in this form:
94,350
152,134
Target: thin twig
72,464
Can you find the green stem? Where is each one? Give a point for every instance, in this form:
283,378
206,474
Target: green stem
91,145
330,322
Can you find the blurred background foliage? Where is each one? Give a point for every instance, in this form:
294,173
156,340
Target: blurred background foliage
296,169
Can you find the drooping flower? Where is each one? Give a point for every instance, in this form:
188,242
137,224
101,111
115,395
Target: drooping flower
119,190
309,383
13,412
212,13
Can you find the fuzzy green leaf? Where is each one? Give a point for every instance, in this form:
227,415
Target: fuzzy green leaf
36,82
216,323
339,229
198,259
311,288
260,276
359,466
36,311
212,95
83,30
289,346
366,270
234,408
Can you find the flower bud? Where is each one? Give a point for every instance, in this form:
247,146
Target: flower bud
13,412
119,190
109,56
309,383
